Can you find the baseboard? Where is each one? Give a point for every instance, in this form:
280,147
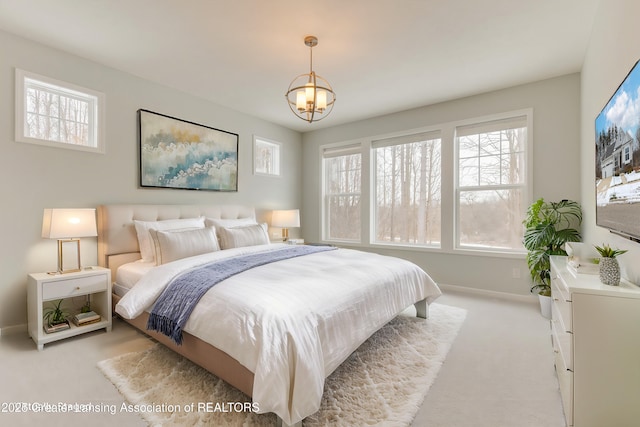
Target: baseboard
13,330
487,293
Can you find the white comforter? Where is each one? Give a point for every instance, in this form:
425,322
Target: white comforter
292,322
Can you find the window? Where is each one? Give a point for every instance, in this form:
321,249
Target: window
460,186
491,193
55,113
407,189
627,154
266,157
342,168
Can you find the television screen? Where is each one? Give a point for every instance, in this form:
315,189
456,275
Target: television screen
618,159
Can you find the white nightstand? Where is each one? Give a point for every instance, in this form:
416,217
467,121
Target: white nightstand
73,289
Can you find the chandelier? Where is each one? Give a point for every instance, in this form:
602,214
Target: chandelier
310,97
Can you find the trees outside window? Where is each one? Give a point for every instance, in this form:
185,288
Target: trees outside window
343,178
55,113
491,191
459,186
407,186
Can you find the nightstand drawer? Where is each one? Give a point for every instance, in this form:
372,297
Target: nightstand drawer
74,286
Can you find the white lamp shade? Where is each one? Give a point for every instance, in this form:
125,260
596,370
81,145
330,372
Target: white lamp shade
69,223
286,218
301,100
321,103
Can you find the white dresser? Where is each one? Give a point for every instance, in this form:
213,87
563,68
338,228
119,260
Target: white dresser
596,339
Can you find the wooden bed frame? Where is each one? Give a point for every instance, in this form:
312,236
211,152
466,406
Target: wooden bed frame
118,245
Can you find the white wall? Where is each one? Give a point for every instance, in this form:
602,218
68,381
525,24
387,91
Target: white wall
34,177
556,129
612,52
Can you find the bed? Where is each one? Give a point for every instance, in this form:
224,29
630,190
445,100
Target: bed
274,331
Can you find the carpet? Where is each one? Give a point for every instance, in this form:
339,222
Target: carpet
382,383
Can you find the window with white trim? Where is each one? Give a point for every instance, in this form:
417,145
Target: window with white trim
407,189
266,157
491,184
55,113
342,168
460,186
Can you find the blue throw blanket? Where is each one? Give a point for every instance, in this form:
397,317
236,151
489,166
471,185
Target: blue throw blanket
177,301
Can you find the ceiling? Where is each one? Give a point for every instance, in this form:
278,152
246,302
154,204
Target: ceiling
380,56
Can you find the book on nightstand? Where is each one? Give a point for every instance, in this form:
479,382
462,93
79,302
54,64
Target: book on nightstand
82,319
50,329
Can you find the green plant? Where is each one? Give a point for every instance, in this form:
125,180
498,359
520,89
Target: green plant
55,314
607,251
549,225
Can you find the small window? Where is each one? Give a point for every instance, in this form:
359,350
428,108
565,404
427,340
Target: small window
58,114
266,157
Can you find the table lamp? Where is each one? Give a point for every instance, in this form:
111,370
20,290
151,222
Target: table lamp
285,219
68,225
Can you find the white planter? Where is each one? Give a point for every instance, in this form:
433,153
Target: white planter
545,306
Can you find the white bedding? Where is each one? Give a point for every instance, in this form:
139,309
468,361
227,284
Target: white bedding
292,322
129,274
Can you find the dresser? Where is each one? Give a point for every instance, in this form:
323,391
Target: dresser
595,332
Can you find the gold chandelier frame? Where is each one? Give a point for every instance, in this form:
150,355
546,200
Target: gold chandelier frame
310,97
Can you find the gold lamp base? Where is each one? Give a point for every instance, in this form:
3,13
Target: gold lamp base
61,269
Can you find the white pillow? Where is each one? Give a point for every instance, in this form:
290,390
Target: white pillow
248,235
228,223
144,238
177,244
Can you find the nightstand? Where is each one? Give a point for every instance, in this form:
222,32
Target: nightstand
74,288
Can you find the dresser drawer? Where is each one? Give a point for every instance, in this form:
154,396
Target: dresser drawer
565,381
66,288
561,308
563,345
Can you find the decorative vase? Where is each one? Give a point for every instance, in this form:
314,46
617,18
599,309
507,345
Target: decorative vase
609,271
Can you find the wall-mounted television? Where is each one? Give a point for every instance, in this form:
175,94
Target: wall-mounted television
618,159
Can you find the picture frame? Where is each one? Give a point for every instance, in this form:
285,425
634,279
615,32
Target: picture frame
179,154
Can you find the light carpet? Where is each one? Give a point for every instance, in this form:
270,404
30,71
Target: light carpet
382,383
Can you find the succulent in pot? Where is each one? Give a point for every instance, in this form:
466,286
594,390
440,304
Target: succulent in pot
609,267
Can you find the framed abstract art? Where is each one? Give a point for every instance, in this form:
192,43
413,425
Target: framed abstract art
179,154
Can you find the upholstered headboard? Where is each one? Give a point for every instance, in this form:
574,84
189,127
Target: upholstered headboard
117,240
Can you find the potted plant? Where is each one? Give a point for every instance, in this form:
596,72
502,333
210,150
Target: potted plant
609,267
548,226
55,318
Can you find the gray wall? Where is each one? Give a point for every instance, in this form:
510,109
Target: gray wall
34,177
556,175
613,50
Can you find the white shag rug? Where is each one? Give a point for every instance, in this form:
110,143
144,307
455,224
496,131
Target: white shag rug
382,383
